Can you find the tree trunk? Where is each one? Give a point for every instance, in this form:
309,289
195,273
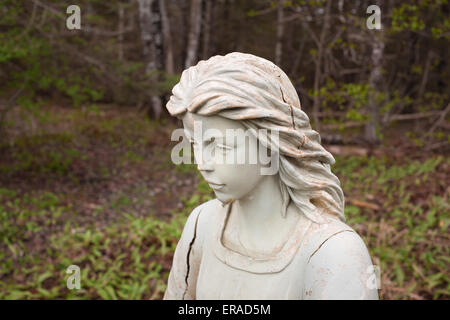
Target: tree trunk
167,39
280,33
298,57
194,33
214,27
318,67
375,79
207,29
426,71
121,28
149,19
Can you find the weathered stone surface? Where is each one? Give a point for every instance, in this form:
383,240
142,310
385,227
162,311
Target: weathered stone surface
276,235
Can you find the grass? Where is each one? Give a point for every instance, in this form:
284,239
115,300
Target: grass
123,259
96,188
408,235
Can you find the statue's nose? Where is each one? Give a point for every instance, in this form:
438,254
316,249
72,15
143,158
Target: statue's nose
204,160
205,164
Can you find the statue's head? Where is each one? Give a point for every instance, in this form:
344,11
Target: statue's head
244,105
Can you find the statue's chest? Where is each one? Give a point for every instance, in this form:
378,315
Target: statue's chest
217,280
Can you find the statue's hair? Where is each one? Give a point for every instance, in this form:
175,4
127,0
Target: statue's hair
259,94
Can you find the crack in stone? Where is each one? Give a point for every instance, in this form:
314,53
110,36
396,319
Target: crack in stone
188,256
326,241
290,107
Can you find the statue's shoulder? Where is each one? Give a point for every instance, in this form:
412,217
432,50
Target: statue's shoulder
338,258
207,209
204,217
335,239
334,233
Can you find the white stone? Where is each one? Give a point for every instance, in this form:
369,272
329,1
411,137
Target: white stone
277,236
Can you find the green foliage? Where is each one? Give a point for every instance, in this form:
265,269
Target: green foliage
75,155
352,97
47,63
406,236
125,259
415,16
116,262
405,17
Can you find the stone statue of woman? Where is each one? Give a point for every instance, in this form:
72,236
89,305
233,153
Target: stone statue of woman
265,236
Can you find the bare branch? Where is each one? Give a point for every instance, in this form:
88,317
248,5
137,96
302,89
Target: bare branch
441,119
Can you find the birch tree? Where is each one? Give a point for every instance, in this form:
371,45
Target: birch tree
195,23
280,33
167,39
149,19
375,80
207,28
321,46
121,16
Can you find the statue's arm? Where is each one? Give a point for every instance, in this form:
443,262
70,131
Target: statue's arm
186,261
340,268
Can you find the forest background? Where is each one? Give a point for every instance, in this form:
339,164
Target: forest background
85,171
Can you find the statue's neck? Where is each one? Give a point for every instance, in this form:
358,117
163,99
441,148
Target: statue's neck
259,214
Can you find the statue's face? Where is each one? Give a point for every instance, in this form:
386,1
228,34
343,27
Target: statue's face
211,137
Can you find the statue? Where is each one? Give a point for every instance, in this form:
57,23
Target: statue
273,234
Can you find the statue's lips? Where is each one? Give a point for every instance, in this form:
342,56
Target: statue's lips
215,186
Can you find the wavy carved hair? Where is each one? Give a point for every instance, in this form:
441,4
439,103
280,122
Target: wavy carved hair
256,92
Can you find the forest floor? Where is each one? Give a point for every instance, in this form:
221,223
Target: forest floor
95,187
